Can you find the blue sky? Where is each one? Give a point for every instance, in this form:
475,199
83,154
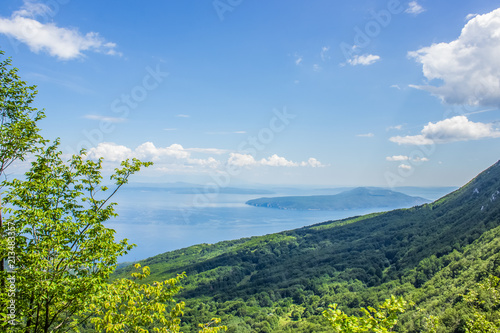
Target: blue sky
228,92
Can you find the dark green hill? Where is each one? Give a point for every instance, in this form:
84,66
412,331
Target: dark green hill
449,278
358,198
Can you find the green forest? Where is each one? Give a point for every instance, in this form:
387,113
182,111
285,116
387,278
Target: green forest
429,268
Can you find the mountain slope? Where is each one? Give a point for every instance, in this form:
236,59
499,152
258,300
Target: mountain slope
358,198
372,248
442,294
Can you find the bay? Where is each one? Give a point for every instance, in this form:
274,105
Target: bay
158,220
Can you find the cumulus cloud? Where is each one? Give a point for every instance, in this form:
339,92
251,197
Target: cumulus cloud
414,8
246,160
365,60
110,152
405,166
312,162
397,158
419,159
175,157
64,43
468,67
147,151
276,160
454,129
241,160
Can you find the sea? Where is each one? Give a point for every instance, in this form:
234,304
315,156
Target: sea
159,220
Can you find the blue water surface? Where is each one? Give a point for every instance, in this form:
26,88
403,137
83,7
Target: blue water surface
159,221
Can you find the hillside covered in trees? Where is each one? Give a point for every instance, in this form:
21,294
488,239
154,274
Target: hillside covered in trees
430,254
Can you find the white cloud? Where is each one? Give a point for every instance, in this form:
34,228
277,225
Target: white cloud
396,86
298,60
246,160
420,159
470,16
468,67
146,151
241,160
63,43
183,116
312,162
397,158
324,53
33,9
104,118
276,160
317,68
365,60
175,157
366,135
149,151
405,166
171,159
401,158
414,8
454,129
396,127
110,152
411,140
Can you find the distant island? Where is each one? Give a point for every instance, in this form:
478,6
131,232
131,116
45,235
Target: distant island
358,198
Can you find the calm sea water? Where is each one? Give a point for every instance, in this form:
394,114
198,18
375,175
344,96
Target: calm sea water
159,221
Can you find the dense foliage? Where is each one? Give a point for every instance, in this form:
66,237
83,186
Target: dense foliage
63,251
19,133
